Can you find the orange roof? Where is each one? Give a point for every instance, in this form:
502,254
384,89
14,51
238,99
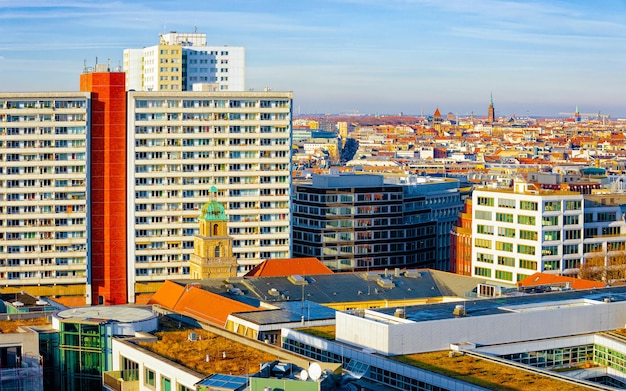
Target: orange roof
437,113
71,301
553,279
197,303
168,294
288,267
208,306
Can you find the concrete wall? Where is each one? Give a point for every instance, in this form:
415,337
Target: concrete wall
427,336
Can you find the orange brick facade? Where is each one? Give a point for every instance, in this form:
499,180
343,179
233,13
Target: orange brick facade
108,186
461,243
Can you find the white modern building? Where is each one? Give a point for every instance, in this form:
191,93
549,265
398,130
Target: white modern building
182,60
521,230
44,177
181,144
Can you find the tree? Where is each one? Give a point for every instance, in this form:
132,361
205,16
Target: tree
608,267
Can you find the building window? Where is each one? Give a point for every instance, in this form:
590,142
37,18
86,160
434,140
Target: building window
550,250
506,232
528,205
524,249
527,264
482,243
526,220
551,206
570,249
149,377
502,275
504,217
487,258
484,229
570,220
573,205
506,261
504,246
572,234
482,215
483,272
506,203
551,235
485,201
528,235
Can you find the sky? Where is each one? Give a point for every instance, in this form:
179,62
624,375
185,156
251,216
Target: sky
536,58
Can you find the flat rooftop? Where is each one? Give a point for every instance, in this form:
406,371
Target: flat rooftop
508,304
208,353
485,373
121,314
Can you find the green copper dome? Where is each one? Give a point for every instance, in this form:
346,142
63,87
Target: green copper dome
213,210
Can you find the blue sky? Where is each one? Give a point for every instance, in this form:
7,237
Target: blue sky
343,56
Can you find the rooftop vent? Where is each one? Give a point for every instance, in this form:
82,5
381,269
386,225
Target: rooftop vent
273,292
370,276
297,280
385,283
412,274
459,310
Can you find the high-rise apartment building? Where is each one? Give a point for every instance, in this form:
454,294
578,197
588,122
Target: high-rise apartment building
180,144
101,190
44,196
182,60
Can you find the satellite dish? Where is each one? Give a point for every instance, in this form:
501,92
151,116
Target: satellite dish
315,371
304,375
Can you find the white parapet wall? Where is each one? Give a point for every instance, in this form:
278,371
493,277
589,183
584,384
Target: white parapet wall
395,336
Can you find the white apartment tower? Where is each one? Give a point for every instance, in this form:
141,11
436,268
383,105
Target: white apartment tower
183,60
182,144
44,205
517,232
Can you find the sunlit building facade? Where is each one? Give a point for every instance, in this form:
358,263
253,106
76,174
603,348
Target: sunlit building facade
182,144
44,199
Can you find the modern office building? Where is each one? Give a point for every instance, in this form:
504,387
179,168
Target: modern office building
181,60
44,197
361,222
180,144
517,232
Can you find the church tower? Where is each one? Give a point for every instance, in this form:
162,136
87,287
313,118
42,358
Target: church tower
491,112
437,120
213,248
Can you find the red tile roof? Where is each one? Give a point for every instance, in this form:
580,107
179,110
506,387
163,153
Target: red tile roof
197,303
288,267
168,294
553,279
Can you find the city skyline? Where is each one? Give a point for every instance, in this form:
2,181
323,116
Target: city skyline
352,56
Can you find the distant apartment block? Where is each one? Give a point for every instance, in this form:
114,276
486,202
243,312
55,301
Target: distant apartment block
180,144
182,60
44,197
361,222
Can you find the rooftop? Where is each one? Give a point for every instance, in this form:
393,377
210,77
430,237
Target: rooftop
208,353
121,314
485,373
510,304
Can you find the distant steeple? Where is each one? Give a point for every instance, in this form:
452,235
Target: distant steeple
491,112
